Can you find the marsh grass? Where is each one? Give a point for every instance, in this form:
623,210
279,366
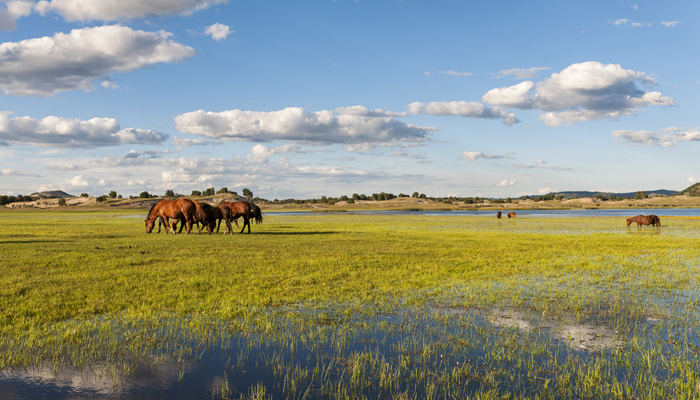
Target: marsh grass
347,306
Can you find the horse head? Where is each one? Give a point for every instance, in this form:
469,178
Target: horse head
149,225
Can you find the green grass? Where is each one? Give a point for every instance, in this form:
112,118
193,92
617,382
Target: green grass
77,288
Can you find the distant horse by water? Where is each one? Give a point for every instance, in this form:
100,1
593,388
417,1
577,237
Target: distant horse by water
498,215
247,210
656,220
182,209
642,220
511,214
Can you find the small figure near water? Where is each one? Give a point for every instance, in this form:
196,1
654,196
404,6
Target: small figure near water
640,220
498,215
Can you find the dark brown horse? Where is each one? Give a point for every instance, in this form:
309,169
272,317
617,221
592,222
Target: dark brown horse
498,215
181,209
511,214
247,210
641,220
203,215
656,220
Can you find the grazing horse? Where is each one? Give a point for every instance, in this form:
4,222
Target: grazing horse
656,220
641,220
498,215
181,209
202,216
511,214
245,209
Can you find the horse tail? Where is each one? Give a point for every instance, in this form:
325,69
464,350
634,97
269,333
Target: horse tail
256,213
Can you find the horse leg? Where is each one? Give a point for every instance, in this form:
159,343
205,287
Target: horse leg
219,225
229,229
189,224
245,222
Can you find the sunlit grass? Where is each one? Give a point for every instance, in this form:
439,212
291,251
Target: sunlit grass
79,288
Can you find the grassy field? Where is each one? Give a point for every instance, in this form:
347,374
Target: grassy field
347,306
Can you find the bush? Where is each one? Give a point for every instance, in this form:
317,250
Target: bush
145,195
112,194
196,193
61,201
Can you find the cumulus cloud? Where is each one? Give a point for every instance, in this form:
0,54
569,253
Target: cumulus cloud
582,92
261,152
506,182
64,132
110,10
72,61
667,137
456,73
476,155
512,96
218,31
297,125
472,109
14,9
521,73
187,142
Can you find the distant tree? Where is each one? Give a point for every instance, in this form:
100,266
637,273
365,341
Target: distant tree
145,195
641,195
355,196
247,193
84,195
415,195
422,195
208,191
196,193
112,194
101,199
169,193
119,196
509,200
234,193
61,201
222,190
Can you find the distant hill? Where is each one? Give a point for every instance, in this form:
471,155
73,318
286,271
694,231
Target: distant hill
629,195
692,190
51,194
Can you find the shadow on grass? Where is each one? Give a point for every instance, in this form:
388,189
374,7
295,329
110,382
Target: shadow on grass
31,241
292,233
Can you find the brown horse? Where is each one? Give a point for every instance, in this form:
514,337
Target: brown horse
247,210
498,215
181,209
511,214
657,221
204,215
641,220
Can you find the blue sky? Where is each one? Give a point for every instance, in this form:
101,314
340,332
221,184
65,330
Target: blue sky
300,99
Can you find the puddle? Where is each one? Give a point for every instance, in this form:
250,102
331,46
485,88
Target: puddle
508,319
590,338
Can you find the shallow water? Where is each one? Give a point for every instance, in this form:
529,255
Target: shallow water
412,348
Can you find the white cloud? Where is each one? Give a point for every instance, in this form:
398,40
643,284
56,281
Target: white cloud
456,73
218,31
544,190
512,96
506,182
364,111
521,73
187,142
64,132
670,24
261,152
472,109
13,172
110,10
109,84
78,181
476,155
582,92
14,9
628,22
692,179
72,61
542,164
297,125
667,137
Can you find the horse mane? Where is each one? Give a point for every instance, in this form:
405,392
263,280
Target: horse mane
151,210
